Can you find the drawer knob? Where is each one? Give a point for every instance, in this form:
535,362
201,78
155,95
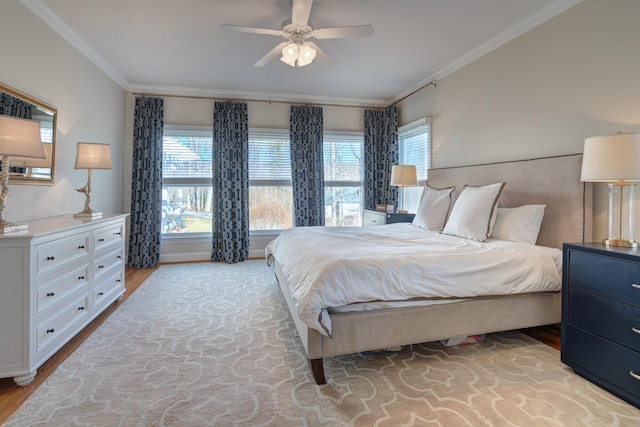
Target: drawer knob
636,330
81,247
81,278
80,308
118,257
51,294
100,240
118,234
634,375
118,280
50,331
100,266
50,258
100,294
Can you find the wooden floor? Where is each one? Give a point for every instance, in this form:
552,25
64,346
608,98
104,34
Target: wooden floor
12,396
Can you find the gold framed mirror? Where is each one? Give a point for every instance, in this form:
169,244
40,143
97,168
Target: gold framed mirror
18,104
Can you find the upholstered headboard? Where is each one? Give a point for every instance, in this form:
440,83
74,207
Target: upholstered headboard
553,181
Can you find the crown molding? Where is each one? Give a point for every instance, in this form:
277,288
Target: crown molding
59,26
551,11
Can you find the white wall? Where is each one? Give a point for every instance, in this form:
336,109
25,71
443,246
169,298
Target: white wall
542,94
38,62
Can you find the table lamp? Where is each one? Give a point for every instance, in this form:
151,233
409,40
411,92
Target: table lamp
21,138
90,155
403,176
615,159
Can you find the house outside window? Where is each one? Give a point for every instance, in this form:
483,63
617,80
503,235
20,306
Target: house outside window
415,149
186,180
343,175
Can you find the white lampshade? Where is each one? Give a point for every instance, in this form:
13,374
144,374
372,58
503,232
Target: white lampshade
611,158
20,137
90,155
403,175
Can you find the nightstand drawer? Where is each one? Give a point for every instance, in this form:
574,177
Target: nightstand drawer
616,321
606,276
607,364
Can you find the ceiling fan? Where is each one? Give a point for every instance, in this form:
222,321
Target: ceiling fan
298,50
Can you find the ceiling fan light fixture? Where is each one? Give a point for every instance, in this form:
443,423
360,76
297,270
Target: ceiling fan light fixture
306,55
290,54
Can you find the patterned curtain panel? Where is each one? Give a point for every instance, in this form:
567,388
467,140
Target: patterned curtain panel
11,106
380,153
146,183
230,182
307,167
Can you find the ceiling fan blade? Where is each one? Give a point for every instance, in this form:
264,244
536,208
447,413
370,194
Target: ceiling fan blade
343,32
300,12
272,54
321,57
242,29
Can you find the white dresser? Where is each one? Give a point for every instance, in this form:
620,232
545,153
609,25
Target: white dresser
54,279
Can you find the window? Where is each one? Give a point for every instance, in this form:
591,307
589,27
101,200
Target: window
270,192
415,149
186,180
343,162
187,173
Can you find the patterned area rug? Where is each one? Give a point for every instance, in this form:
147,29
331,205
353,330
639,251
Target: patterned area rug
212,344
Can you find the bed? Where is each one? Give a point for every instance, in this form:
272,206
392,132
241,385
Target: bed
552,181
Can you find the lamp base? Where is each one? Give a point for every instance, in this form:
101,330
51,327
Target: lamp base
91,214
8,227
622,243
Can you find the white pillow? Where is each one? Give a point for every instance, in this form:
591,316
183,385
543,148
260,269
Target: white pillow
521,224
474,213
433,208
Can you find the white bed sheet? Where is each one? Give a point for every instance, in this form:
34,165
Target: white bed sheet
338,266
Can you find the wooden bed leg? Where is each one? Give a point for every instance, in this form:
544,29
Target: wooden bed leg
317,369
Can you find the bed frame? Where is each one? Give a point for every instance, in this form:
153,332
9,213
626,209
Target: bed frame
554,181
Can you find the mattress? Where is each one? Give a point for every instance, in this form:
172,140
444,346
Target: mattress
351,268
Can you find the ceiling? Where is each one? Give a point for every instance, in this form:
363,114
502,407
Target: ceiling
176,46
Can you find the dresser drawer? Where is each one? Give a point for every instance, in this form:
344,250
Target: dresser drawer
108,290
53,256
108,237
51,292
103,264
53,331
607,364
616,321
606,276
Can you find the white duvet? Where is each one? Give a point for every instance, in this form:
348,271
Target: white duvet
337,266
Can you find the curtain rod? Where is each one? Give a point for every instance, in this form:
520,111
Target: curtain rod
432,82
269,101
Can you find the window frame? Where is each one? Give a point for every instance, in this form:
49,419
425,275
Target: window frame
410,130
347,137
276,133
186,130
